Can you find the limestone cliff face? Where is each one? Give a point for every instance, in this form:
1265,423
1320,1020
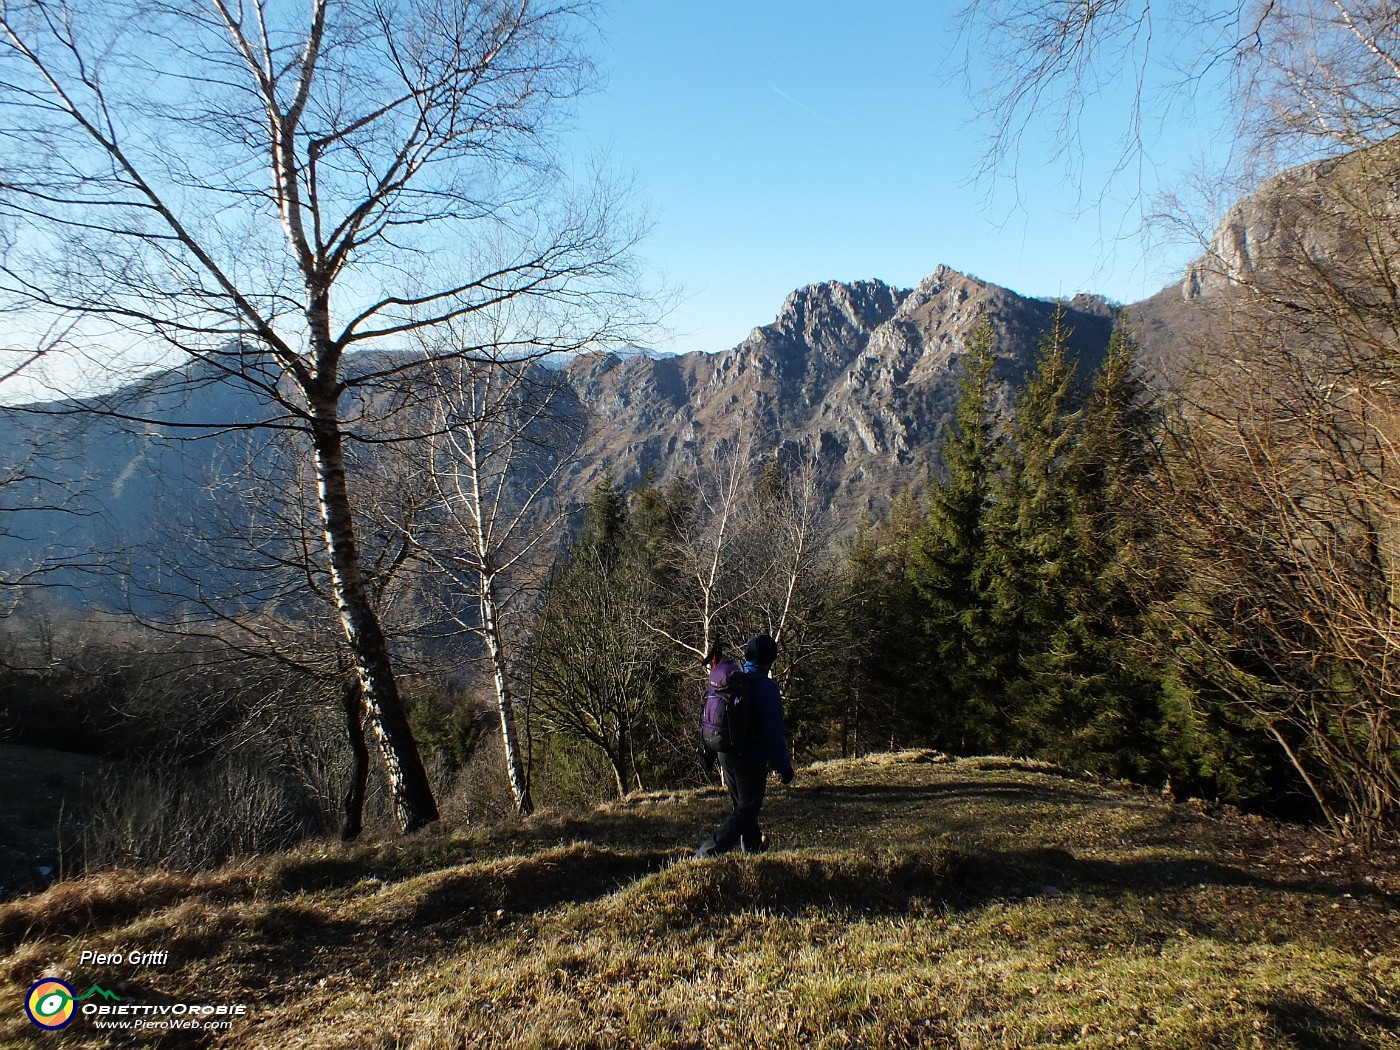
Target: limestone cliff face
1277,225
864,375
1312,240
1334,216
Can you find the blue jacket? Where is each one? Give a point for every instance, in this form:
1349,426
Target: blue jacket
774,750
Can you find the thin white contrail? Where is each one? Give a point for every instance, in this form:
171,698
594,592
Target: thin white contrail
805,108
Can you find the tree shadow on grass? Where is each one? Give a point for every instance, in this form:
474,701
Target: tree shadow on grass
290,946
1027,873
942,877
627,870
446,906
1018,805
975,808
1340,1024
884,800
998,790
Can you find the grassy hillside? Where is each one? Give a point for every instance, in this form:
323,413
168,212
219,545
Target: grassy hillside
906,902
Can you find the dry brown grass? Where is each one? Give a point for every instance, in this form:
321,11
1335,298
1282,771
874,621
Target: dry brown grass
909,901
109,899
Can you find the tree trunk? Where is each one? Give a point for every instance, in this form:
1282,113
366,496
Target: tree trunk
619,775
359,773
483,513
505,702
408,780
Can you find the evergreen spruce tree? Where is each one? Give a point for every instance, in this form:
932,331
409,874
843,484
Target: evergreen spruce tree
657,518
945,566
1162,717
1123,709
602,682
605,519
1067,529
1031,562
890,696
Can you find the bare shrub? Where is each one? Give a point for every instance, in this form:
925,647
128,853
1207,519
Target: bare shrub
189,819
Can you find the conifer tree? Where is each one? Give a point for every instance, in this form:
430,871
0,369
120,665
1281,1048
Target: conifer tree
1029,558
604,519
1068,523
598,671
890,697
946,570
1116,692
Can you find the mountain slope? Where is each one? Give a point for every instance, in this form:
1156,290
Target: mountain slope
863,376
111,494
908,901
1309,254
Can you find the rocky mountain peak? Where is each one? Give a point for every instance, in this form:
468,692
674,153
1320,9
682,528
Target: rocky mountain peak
818,331
862,375
836,310
945,278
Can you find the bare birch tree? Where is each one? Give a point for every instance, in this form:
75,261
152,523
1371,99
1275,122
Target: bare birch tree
268,188
249,577
502,441
798,531
750,551
705,550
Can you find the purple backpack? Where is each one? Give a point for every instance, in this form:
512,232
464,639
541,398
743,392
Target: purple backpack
730,720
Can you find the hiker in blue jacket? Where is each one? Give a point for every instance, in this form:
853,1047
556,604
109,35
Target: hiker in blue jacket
746,771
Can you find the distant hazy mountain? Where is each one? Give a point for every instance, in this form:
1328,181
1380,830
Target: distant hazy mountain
864,374
118,495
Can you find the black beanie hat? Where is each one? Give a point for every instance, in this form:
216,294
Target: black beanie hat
761,650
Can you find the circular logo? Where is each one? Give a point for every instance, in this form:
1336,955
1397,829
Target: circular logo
49,1004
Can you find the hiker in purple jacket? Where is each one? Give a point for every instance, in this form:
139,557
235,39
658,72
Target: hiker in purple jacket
746,769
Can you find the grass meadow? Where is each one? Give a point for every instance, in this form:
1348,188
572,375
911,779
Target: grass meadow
907,900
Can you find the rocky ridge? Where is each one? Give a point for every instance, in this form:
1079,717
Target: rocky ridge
863,375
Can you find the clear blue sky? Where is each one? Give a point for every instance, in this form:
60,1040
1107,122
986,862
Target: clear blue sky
784,142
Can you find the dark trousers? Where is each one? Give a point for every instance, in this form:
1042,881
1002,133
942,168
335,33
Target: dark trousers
747,781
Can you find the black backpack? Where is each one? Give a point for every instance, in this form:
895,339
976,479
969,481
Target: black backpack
730,720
